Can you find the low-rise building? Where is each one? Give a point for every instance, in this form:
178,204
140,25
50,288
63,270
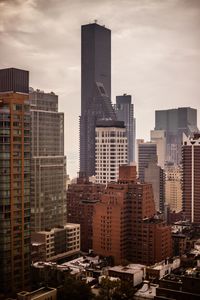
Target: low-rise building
178,287
155,272
44,293
85,267
58,242
133,273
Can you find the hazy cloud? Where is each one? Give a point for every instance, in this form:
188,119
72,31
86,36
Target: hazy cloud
155,53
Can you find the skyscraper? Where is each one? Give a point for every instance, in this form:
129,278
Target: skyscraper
191,178
125,112
159,137
111,150
147,152
48,163
173,187
175,122
154,174
95,89
14,180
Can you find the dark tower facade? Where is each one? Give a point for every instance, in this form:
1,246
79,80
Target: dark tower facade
95,89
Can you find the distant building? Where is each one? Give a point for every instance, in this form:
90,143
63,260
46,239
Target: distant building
191,178
154,174
14,181
125,112
59,242
159,137
81,198
111,150
175,122
147,152
124,226
95,89
173,187
48,163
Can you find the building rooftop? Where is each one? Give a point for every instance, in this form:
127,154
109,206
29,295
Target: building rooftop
37,293
148,291
130,269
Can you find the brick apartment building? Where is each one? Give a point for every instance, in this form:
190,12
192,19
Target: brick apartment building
81,198
125,225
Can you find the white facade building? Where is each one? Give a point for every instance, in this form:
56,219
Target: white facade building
110,151
159,137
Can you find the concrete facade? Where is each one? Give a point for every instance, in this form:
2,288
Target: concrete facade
111,150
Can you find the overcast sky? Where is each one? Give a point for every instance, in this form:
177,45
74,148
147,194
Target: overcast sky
155,53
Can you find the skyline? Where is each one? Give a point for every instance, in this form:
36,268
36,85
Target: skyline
161,61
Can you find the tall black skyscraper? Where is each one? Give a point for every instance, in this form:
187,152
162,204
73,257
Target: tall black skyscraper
95,89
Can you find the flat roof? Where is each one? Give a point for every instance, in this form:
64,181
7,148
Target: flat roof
129,269
35,294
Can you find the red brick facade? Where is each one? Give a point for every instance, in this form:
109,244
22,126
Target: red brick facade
124,225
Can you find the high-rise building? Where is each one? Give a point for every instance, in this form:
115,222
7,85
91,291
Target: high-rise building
147,152
124,225
81,198
14,180
154,174
111,150
173,187
159,137
175,122
95,89
191,178
48,163
125,112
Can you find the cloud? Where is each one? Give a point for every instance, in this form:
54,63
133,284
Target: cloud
155,52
